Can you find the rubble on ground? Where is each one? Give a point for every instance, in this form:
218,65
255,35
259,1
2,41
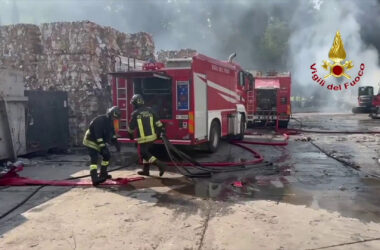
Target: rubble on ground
73,57
304,138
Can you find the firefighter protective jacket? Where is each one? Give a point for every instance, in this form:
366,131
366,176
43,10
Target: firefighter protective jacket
147,124
100,132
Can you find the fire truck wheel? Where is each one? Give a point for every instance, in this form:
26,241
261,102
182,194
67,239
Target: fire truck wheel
213,144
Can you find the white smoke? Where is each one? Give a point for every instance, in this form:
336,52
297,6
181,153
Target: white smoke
315,24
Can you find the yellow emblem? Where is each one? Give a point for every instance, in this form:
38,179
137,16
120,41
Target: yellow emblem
337,54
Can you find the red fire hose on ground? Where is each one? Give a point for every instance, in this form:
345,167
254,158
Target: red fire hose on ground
12,178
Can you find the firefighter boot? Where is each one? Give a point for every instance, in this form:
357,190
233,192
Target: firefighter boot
104,174
145,170
94,177
161,166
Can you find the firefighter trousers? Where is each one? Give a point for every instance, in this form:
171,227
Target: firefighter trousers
94,155
145,151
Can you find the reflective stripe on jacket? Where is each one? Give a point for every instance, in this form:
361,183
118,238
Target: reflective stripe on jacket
91,144
147,124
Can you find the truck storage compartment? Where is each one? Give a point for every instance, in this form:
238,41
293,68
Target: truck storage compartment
157,94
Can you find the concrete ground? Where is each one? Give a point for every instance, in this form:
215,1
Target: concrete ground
299,198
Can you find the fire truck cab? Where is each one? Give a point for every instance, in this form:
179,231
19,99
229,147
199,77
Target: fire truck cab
199,99
269,100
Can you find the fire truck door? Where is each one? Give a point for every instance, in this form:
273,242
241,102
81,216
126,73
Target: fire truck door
200,106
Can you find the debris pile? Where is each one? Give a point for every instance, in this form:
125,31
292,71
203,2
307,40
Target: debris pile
164,55
304,138
73,57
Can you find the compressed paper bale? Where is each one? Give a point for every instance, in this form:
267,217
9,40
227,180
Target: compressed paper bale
163,55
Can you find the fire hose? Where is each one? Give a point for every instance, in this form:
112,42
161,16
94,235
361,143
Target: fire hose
205,169
41,185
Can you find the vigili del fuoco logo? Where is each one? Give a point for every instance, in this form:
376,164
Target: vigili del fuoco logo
337,67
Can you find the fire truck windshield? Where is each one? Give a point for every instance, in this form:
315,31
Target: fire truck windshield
157,94
365,90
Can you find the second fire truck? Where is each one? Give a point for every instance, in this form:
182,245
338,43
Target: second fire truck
268,100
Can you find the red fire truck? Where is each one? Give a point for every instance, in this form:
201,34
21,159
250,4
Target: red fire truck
375,111
269,100
200,99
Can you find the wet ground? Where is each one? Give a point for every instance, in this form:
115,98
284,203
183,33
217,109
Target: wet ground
336,176
300,173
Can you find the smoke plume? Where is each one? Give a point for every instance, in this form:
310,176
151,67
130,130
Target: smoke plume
312,39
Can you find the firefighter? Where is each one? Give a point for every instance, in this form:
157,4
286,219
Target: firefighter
149,128
100,132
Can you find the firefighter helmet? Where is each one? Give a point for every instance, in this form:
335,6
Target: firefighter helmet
114,112
137,100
